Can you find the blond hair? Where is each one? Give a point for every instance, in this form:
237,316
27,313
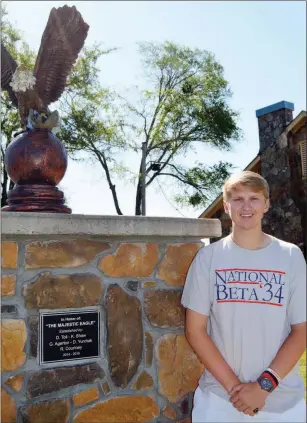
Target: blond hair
247,179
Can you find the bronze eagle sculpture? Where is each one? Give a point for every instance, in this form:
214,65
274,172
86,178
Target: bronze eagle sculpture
33,91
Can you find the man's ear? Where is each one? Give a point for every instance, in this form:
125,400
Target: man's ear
267,206
225,207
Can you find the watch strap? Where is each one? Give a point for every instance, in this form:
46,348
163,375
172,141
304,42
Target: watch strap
274,374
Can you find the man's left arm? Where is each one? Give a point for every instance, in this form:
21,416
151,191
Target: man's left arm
294,345
250,394
291,350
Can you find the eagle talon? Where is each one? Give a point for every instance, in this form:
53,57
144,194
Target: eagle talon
42,120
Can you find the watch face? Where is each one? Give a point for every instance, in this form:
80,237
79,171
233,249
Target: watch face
266,384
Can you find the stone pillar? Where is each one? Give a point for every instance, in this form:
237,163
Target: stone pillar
132,269
279,165
272,121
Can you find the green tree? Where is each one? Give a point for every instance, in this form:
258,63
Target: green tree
186,105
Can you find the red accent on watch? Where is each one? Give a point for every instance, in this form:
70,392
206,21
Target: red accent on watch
269,376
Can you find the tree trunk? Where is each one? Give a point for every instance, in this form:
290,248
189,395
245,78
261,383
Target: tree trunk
115,199
138,200
112,188
104,164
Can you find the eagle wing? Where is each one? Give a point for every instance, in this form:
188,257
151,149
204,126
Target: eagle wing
61,43
8,67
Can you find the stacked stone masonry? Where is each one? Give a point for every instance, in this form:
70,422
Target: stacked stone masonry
281,167
147,372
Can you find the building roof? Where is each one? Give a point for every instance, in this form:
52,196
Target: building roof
297,123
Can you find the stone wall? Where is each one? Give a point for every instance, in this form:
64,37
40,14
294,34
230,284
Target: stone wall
272,122
281,167
298,184
133,270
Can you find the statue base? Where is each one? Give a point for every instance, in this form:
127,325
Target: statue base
36,198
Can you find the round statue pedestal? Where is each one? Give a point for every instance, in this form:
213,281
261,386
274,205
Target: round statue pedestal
36,161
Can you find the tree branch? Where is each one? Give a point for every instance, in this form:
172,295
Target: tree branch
184,181
135,110
164,164
158,160
177,170
183,137
183,77
102,160
161,97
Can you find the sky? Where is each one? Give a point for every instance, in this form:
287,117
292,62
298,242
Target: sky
260,44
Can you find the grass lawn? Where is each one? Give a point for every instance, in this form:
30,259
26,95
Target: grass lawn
303,369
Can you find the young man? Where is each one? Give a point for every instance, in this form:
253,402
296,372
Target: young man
245,297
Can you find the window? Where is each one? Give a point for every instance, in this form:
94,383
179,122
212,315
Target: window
303,148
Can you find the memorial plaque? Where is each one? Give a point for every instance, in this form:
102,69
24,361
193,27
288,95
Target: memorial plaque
69,335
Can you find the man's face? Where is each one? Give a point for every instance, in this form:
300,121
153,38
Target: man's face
246,207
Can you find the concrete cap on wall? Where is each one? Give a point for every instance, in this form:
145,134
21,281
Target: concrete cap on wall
274,108
53,224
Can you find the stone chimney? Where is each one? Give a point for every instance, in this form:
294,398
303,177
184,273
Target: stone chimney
272,121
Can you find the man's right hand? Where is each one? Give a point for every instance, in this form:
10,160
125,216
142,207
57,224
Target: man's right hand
206,350
242,405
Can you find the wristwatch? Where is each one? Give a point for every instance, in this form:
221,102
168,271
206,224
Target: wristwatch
265,383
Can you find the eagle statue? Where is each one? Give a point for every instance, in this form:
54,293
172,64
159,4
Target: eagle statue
32,91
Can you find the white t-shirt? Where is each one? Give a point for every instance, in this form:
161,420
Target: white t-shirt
251,297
